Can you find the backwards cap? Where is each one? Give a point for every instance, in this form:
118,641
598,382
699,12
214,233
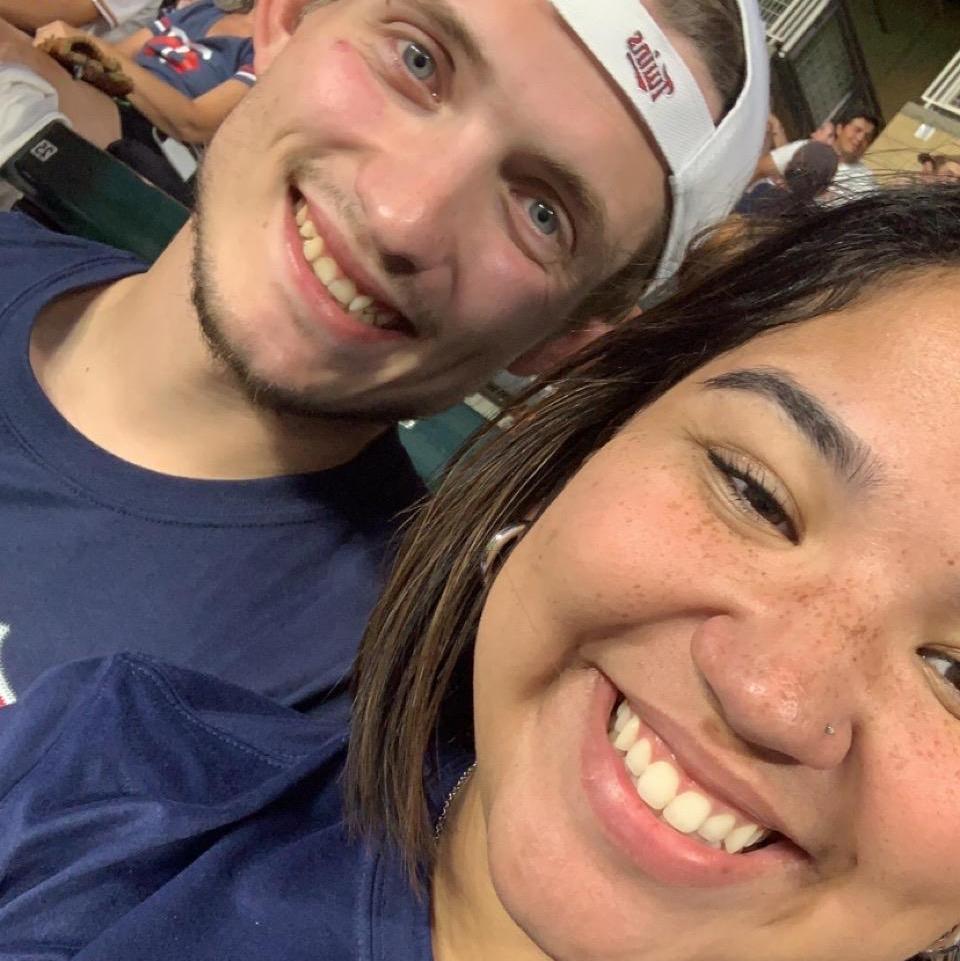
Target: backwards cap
710,165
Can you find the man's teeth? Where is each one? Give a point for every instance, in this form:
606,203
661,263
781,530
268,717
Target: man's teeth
343,289
658,782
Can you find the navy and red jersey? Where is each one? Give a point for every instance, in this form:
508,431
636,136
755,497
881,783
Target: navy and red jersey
181,53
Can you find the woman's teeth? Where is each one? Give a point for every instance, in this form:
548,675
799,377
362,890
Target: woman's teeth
658,784
343,289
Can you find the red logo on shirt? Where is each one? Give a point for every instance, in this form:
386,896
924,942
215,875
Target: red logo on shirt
653,77
177,50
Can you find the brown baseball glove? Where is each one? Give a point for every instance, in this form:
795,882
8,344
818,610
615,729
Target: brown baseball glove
85,61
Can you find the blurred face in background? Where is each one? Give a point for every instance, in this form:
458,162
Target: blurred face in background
854,138
948,170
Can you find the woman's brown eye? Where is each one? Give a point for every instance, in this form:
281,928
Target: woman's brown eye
946,665
755,496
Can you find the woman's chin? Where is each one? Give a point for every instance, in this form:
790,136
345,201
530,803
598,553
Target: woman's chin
549,860
558,862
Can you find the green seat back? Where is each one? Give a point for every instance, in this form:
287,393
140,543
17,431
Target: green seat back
86,192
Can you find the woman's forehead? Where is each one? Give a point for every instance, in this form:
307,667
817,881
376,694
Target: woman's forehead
883,371
905,335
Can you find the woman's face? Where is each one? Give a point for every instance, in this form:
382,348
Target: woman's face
765,567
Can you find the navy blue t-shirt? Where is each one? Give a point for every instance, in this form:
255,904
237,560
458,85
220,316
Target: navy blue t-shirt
150,814
181,53
266,583
766,199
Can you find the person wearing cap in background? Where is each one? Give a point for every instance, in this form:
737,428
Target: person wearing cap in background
807,175
199,460
850,135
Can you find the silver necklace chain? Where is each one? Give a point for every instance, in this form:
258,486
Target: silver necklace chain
451,797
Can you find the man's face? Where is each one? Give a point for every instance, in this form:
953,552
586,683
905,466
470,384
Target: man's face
469,172
853,139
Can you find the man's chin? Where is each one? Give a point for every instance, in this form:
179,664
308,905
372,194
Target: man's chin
267,392
304,404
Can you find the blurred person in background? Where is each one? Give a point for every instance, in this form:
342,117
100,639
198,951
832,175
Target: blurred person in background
853,132
939,166
808,174
189,69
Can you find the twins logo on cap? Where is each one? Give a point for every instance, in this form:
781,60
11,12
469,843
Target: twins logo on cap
653,75
710,164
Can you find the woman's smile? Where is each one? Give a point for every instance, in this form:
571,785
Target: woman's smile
701,829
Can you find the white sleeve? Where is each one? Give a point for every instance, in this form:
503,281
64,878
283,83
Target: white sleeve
783,155
117,12
854,178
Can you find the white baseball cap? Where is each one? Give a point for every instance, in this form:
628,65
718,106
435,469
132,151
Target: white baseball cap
710,164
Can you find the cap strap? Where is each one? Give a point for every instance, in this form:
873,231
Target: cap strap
636,53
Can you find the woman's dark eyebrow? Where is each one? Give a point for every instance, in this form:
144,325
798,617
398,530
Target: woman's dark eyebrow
846,453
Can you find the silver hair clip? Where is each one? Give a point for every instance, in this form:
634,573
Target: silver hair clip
946,948
494,547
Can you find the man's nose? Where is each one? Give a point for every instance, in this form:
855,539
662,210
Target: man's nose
785,684
421,200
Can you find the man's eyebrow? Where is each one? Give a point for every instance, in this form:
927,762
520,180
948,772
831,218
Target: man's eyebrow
846,453
449,22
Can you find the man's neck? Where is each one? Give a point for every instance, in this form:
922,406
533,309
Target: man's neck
468,921
845,158
128,367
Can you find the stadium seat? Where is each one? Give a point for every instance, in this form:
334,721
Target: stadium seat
431,442
75,187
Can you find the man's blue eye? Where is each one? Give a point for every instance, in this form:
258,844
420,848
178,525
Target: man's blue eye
544,217
418,61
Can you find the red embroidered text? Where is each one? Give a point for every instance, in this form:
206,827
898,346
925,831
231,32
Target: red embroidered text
652,74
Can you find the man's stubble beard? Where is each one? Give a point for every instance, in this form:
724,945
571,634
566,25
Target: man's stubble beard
213,312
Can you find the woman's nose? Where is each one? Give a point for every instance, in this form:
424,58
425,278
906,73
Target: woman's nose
779,687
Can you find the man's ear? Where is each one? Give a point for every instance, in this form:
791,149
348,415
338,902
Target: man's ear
551,352
273,24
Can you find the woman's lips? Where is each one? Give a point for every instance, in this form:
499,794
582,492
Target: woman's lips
641,835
